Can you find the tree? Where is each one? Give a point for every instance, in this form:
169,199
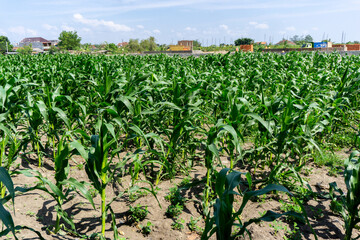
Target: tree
243,41
5,44
297,39
162,47
86,47
134,45
308,38
69,40
196,44
53,50
26,50
148,44
111,47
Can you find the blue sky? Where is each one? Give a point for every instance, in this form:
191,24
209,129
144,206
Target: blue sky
210,22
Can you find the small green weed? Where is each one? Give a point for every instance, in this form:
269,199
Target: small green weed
30,214
174,210
193,226
138,194
290,206
185,181
138,213
341,139
307,170
277,226
334,171
146,230
175,196
261,199
80,166
178,224
327,159
293,234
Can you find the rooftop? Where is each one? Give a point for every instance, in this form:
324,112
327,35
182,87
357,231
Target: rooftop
34,39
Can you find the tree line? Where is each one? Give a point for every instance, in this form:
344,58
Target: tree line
70,40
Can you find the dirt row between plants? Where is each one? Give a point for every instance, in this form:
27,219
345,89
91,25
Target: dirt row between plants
36,209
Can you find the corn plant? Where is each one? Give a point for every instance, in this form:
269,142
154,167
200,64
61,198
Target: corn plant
225,217
211,153
5,216
98,163
348,205
8,153
54,116
64,185
99,157
35,119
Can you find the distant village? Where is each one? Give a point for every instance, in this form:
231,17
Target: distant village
41,45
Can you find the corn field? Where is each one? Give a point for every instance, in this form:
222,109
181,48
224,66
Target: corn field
253,122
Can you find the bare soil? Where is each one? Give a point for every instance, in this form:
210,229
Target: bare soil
36,209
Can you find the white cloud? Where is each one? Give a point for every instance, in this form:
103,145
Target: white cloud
315,28
262,26
67,28
232,5
259,25
49,27
96,23
139,5
156,31
223,26
291,28
140,26
86,29
305,32
192,29
20,30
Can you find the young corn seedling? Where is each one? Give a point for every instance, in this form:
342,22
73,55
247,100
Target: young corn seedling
104,147
211,152
58,190
225,216
5,216
348,205
7,157
54,116
98,162
35,119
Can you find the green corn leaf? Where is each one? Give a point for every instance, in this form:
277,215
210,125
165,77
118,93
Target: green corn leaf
81,149
62,115
18,228
43,110
5,178
266,124
81,188
268,217
268,188
220,181
6,219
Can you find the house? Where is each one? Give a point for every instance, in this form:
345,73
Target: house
38,43
285,42
122,44
186,43
54,42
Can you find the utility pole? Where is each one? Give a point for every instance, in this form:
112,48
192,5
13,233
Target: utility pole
7,49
